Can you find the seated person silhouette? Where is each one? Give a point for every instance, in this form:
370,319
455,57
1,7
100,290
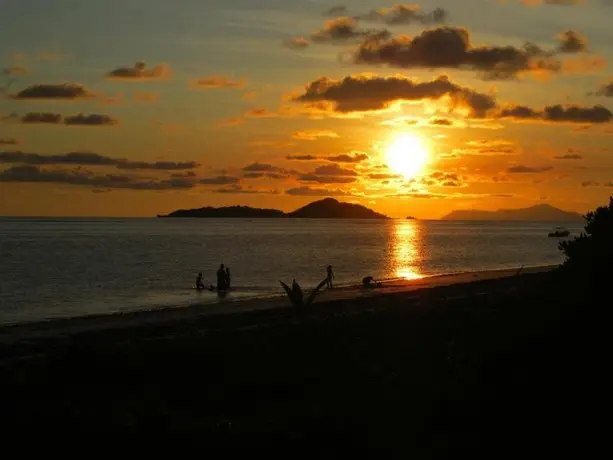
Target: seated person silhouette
369,282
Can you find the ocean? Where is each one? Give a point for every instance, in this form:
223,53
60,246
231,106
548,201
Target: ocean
52,268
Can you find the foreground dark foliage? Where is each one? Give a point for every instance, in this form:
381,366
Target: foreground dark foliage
589,257
296,294
504,365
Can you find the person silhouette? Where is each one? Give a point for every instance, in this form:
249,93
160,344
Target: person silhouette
228,278
329,276
221,279
199,283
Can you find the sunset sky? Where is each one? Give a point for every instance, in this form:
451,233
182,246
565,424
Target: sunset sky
133,107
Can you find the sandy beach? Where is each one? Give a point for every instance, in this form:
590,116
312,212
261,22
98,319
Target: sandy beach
11,334
444,363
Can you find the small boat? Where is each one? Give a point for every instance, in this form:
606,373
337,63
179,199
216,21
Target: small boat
559,232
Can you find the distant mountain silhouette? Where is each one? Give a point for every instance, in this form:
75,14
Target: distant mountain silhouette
539,212
328,208
226,212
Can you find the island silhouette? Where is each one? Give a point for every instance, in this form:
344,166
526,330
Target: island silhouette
539,212
328,208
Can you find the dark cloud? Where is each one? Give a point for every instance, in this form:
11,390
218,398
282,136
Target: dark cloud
157,165
361,94
345,29
139,72
568,156
217,82
263,167
384,176
9,141
93,119
559,114
41,117
326,179
310,191
338,10
605,90
440,122
56,119
28,173
592,183
491,149
260,112
572,42
520,112
553,2
405,14
268,175
302,157
238,189
92,159
296,43
64,91
521,169
439,179
445,179
418,194
312,135
447,47
219,180
185,174
334,170
345,158
12,71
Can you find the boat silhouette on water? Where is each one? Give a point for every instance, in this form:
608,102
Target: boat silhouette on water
559,232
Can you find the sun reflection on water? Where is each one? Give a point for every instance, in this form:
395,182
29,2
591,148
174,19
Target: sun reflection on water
407,249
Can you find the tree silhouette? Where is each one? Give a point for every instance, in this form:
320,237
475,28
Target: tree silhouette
590,255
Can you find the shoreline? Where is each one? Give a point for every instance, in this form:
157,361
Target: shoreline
17,332
442,367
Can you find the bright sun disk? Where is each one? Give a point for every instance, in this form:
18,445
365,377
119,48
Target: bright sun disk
407,155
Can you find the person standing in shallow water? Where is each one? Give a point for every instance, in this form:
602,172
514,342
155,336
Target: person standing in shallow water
221,278
199,283
330,276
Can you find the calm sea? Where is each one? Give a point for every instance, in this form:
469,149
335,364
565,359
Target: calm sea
70,267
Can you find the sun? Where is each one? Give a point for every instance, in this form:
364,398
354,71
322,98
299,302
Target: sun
407,154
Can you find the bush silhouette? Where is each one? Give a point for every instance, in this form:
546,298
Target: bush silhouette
590,255
296,294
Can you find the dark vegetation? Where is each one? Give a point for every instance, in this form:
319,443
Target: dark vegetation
296,295
502,365
328,208
589,257
227,212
